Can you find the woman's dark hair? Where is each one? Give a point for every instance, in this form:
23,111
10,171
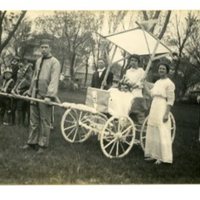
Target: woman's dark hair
134,56
129,60
166,66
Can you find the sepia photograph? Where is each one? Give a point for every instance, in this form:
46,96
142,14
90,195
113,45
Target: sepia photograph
99,97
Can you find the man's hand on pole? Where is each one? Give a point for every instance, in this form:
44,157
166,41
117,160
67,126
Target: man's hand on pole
47,100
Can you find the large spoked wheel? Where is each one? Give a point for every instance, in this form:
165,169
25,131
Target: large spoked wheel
74,125
144,128
117,137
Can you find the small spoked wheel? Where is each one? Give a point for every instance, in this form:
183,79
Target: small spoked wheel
74,125
144,129
117,137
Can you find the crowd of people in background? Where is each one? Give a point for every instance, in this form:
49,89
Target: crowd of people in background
15,79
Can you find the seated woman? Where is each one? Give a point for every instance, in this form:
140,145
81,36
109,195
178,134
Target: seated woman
132,102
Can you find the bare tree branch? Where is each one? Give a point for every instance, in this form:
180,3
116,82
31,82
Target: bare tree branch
3,13
10,35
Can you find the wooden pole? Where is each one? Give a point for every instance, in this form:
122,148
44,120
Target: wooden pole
109,66
64,105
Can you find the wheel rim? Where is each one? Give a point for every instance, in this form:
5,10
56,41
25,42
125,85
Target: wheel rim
143,133
144,128
71,125
117,137
173,127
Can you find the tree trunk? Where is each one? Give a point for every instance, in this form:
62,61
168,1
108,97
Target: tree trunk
156,16
72,65
165,25
145,15
10,35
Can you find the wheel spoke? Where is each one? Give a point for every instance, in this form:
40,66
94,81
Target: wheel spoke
121,145
80,116
127,129
110,152
118,127
125,136
72,116
108,138
69,121
110,143
69,127
70,132
126,142
76,131
117,148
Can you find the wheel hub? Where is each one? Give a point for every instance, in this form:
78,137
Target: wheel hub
118,135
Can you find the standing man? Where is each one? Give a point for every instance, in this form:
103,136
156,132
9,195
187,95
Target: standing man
44,85
15,65
98,76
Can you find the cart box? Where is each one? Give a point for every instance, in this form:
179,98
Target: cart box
98,99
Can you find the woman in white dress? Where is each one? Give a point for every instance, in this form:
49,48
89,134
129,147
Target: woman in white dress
134,78
158,137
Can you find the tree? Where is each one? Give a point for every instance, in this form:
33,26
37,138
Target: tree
21,37
9,23
73,30
183,35
157,15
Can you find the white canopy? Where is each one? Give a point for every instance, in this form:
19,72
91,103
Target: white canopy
135,41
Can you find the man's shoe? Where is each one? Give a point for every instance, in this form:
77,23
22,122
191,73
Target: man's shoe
29,147
41,150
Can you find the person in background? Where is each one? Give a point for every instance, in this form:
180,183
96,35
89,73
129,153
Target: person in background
158,135
5,102
14,64
44,85
22,85
98,76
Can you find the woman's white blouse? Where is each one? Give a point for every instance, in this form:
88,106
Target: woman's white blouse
164,88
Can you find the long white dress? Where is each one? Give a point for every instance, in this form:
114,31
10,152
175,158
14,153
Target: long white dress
158,137
134,77
120,102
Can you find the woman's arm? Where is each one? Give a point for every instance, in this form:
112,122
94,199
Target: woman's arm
147,88
166,115
170,100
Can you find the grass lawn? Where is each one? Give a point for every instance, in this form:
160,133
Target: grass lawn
84,163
